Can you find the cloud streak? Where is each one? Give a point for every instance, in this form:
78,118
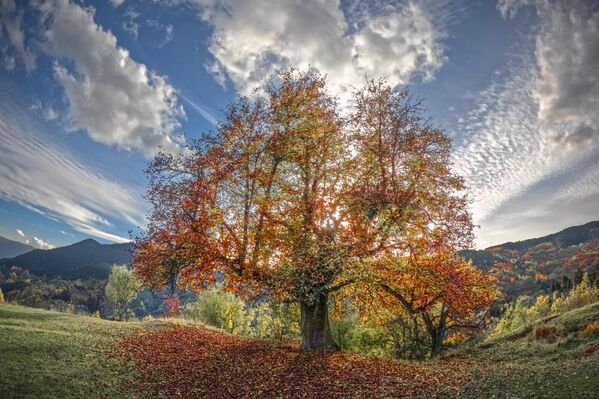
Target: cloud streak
40,175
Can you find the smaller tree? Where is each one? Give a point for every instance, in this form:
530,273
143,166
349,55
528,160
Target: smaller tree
121,289
447,293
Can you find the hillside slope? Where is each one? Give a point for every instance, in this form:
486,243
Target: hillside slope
10,248
85,259
540,264
47,355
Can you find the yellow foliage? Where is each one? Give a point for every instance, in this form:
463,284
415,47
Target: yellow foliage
590,329
455,338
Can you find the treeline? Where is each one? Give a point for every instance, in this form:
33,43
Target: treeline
80,296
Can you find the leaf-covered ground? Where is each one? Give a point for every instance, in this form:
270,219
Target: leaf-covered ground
197,363
191,362
46,354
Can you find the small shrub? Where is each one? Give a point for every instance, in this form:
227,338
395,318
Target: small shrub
581,295
350,334
545,332
122,287
515,317
219,309
590,329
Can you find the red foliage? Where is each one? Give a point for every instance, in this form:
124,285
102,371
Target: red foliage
172,306
501,267
192,363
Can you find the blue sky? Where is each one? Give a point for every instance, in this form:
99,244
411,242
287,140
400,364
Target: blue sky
92,89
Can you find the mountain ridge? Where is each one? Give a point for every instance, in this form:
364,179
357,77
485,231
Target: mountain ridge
542,264
594,225
10,248
84,259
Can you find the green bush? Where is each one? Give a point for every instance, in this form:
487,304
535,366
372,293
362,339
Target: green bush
219,309
581,295
350,334
410,338
275,320
515,317
225,310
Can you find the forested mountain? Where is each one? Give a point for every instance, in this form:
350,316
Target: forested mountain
85,259
523,268
10,248
544,264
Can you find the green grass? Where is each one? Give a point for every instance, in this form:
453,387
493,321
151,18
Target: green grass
524,367
45,354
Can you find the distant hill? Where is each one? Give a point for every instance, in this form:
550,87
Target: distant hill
10,248
542,264
85,259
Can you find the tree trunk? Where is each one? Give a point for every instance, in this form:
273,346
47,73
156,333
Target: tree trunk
437,336
437,331
315,327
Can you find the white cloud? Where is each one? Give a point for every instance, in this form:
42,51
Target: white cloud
252,39
568,60
116,3
40,175
168,31
131,25
169,34
20,232
510,7
47,112
537,126
200,110
41,244
11,20
117,100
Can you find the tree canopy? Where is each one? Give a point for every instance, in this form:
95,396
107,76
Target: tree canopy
292,197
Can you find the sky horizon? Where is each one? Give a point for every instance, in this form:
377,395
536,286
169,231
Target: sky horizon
93,89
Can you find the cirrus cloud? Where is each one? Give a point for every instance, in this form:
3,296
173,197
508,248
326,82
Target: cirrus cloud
46,178
535,129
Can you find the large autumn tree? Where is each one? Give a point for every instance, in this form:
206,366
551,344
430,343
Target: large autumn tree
290,199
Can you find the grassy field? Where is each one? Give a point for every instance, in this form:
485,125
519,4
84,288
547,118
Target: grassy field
522,366
46,354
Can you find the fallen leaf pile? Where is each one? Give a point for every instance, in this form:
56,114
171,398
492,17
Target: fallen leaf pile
191,362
